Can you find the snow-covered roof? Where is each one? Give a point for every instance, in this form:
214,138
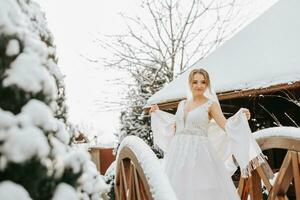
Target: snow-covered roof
263,54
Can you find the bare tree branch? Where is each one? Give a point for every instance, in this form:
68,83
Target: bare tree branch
172,36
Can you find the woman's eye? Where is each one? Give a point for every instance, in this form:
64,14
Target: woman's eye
196,82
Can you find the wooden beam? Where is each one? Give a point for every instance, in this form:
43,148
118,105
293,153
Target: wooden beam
255,186
136,183
279,142
131,192
255,92
243,188
295,163
127,153
124,178
167,105
237,94
264,178
284,178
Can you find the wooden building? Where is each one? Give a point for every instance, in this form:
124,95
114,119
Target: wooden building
259,68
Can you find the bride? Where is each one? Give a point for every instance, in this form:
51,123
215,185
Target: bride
195,168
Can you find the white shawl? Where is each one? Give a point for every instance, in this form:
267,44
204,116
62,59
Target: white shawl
237,141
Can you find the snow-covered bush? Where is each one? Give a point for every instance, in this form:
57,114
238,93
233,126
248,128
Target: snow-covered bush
36,159
109,178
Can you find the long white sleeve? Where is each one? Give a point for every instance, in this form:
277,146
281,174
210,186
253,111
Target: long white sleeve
243,145
236,141
162,125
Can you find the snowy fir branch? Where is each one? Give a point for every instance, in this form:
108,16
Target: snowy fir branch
36,159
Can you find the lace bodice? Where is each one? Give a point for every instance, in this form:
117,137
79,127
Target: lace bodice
194,122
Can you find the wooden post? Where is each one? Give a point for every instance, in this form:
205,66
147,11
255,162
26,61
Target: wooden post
255,186
295,163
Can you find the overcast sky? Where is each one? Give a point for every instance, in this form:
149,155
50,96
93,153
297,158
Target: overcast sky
75,24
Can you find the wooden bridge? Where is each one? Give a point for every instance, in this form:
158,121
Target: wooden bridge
139,174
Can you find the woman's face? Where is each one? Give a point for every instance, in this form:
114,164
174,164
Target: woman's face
198,85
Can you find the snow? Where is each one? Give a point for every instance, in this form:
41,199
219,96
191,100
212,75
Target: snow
272,181
62,133
59,148
35,132
54,69
263,54
27,73
39,114
6,119
76,160
92,183
23,138
160,187
13,48
12,191
22,144
284,131
65,192
111,170
28,70
10,17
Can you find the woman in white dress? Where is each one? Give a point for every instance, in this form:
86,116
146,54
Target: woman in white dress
194,169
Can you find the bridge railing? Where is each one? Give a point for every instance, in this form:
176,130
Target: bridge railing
139,174
286,138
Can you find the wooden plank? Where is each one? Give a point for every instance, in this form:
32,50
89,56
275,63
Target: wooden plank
255,92
136,181
117,184
264,178
287,179
237,94
287,143
143,191
121,188
295,163
116,193
131,192
283,179
143,182
243,188
167,105
255,186
124,180
267,170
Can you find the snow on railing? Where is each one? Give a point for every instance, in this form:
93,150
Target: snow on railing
160,187
283,131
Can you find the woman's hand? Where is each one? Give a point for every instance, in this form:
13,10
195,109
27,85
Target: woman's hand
174,128
153,108
247,113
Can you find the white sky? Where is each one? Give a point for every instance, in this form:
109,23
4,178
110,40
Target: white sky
74,25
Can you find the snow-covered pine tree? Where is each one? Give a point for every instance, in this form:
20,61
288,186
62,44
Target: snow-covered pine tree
133,120
36,160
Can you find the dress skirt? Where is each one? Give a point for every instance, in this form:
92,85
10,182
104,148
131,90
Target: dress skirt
195,171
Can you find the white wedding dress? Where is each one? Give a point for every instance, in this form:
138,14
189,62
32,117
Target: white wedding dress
194,169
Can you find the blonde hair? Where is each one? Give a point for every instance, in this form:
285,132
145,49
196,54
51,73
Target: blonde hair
200,71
